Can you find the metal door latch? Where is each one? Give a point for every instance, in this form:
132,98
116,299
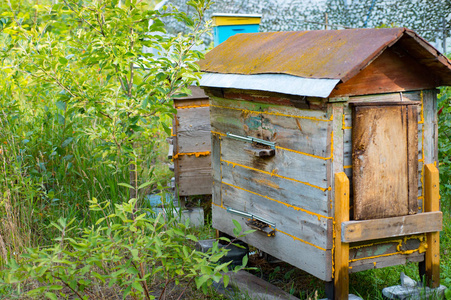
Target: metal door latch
256,222
251,139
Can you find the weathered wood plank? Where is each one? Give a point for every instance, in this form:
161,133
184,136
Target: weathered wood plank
401,96
307,227
269,97
386,252
341,254
225,118
430,126
302,169
293,251
339,136
216,168
256,288
193,130
194,175
431,204
379,161
197,97
286,191
304,134
406,74
382,262
412,158
356,231
386,247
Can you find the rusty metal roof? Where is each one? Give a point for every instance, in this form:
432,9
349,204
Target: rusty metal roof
322,54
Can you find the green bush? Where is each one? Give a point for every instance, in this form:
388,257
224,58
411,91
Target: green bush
126,249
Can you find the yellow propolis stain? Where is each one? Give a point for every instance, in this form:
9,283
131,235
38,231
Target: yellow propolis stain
172,132
385,255
192,106
246,111
303,153
422,110
420,249
297,208
343,125
273,173
218,133
333,248
422,154
332,145
268,183
221,206
197,154
299,125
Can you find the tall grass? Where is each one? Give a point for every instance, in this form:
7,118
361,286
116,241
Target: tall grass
50,168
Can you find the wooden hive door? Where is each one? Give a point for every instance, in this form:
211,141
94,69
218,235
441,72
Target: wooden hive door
384,159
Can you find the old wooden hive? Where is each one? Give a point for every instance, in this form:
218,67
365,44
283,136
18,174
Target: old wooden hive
291,110
191,144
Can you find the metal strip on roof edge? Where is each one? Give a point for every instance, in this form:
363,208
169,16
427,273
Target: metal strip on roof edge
279,83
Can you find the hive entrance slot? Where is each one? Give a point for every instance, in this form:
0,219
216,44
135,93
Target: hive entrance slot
256,222
261,226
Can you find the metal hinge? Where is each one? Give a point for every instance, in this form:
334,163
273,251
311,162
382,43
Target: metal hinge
256,222
251,139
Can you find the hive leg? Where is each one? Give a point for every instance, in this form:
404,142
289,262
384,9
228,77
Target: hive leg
329,289
432,203
341,252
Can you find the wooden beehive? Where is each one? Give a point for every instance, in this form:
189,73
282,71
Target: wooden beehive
299,118
192,144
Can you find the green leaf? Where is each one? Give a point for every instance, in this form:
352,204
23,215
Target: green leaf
134,253
100,220
138,286
144,185
62,60
166,129
237,229
245,260
51,296
61,105
192,237
226,280
200,281
448,294
126,185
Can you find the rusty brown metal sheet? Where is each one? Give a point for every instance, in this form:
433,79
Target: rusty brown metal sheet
331,54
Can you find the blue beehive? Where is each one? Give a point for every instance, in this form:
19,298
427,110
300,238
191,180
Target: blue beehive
227,25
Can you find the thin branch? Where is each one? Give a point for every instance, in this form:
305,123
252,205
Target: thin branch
130,83
79,15
141,276
184,290
58,82
120,79
67,285
100,24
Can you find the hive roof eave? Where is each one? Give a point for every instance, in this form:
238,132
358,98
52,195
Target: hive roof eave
278,83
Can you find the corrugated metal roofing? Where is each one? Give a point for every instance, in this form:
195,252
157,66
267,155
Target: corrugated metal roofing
322,54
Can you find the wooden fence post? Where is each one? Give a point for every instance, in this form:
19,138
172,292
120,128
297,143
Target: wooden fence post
341,253
432,203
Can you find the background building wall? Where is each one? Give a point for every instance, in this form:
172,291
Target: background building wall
427,17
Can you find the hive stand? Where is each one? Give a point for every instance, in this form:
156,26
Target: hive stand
346,231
